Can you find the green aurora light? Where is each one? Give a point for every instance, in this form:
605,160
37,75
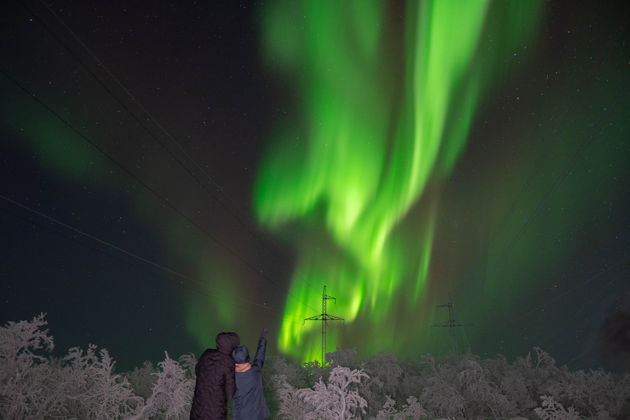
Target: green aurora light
383,208
379,129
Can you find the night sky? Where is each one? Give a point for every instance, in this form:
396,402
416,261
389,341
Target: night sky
171,170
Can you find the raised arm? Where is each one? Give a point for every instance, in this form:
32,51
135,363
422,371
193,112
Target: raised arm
259,359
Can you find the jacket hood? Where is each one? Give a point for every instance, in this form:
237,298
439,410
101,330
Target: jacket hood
227,341
240,354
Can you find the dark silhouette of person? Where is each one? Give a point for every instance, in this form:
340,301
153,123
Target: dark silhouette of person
249,401
215,379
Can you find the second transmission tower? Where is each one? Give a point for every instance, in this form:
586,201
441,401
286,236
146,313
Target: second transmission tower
324,318
451,324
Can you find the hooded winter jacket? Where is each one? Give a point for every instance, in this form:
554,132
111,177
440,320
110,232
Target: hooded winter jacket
249,401
215,380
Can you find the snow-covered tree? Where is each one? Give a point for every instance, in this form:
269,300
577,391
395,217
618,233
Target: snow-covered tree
411,410
91,389
172,392
25,374
343,357
481,394
290,405
385,374
332,400
84,384
553,410
142,379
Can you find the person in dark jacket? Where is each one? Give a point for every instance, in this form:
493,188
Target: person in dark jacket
249,401
215,380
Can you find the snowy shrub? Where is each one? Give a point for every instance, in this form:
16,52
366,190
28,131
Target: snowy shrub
388,411
386,368
511,384
553,410
411,410
480,393
278,370
84,384
594,393
439,393
335,400
90,389
25,375
18,343
290,405
410,384
188,362
343,357
442,398
384,374
142,379
296,375
172,392
313,371
80,385
537,370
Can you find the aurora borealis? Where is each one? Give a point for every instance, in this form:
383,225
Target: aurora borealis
401,153
375,137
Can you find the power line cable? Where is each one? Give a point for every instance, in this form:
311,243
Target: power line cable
133,99
164,200
198,285
128,253
231,209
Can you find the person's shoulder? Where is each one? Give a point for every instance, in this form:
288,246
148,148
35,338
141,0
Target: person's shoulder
208,354
214,356
225,358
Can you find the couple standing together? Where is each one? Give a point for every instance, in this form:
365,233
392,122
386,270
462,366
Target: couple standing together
226,373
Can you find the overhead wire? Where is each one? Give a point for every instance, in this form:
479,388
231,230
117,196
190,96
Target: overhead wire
231,209
126,252
154,192
200,287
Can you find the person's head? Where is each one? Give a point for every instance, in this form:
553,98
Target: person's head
226,341
240,354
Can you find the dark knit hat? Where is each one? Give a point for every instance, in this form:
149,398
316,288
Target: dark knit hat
240,354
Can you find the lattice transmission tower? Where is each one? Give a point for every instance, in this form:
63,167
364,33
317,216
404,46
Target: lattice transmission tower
324,317
451,324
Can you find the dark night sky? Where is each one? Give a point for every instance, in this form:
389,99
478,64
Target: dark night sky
195,64
196,68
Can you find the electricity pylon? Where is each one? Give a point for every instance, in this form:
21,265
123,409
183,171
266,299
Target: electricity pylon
451,324
324,318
